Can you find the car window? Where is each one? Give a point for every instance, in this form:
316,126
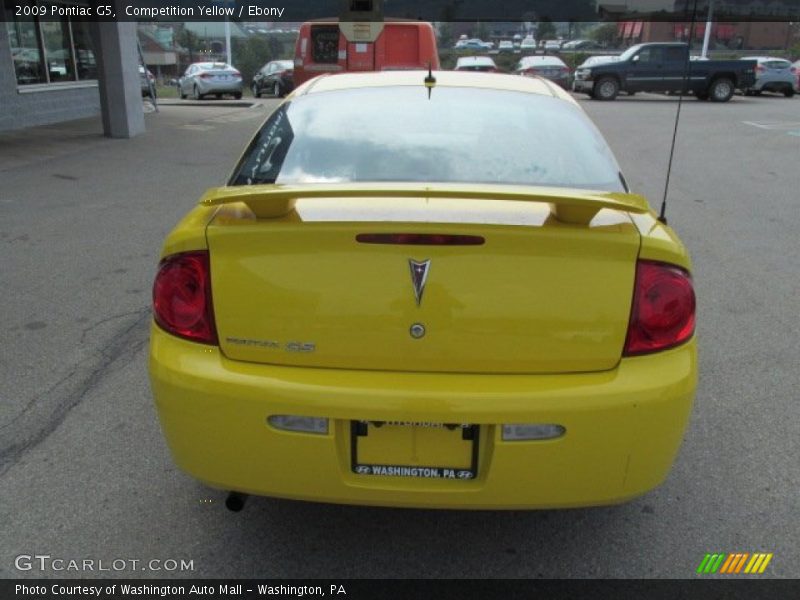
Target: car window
325,44
650,55
778,64
674,54
398,134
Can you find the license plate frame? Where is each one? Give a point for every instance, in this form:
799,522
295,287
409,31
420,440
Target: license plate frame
470,432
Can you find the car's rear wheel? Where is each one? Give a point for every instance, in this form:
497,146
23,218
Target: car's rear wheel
788,91
254,89
721,90
238,95
606,88
180,93
218,96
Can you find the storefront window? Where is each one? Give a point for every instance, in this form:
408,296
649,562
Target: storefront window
22,36
56,38
84,50
49,50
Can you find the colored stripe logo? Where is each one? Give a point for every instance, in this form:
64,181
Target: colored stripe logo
735,563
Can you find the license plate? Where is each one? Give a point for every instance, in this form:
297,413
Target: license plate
414,449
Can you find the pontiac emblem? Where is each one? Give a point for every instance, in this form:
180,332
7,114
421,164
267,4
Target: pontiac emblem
419,275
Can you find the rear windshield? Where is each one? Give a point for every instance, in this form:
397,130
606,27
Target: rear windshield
458,135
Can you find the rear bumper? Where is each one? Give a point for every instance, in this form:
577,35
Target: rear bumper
219,87
623,428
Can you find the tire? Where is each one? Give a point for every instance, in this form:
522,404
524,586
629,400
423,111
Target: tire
278,90
254,89
181,94
606,89
218,96
721,89
196,94
788,91
238,95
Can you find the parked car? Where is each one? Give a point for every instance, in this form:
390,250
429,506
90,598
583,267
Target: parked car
363,334
275,78
505,46
477,44
147,82
796,67
476,63
551,45
662,67
203,79
576,45
773,75
528,44
549,67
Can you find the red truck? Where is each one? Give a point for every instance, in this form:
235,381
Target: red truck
331,46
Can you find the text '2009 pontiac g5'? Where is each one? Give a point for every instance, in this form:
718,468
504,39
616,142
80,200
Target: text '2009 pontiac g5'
425,290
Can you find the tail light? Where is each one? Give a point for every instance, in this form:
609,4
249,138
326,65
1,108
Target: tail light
205,75
529,72
182,297
236,73
663,311
760,68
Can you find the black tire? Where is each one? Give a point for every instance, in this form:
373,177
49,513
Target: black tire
278,90
196,94
256,92
788,91
605,88
238,95
218,96
721,89
181,94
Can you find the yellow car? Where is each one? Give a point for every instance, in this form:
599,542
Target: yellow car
425,290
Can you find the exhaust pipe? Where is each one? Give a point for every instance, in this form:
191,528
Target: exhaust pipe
235,501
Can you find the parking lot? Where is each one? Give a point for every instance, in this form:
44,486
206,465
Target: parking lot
85,472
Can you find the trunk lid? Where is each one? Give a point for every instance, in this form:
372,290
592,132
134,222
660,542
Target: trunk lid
538,296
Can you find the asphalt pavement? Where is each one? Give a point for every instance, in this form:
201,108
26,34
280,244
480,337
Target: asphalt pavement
85,472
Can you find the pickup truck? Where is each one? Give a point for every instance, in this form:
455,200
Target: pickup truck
665,68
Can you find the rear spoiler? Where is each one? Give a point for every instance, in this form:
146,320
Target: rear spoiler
567,205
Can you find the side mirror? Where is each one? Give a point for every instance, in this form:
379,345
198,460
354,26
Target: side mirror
635,59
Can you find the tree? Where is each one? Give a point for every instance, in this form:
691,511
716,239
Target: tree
545,30
251,54
605,34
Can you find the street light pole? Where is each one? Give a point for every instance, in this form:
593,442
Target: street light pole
228,41
707,33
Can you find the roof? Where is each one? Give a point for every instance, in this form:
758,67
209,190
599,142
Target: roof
541,61
469,79
475,60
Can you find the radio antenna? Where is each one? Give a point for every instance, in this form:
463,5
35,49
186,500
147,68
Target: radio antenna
662,215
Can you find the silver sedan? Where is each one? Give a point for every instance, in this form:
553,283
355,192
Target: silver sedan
210,78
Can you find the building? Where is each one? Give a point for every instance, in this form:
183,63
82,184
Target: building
61,68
